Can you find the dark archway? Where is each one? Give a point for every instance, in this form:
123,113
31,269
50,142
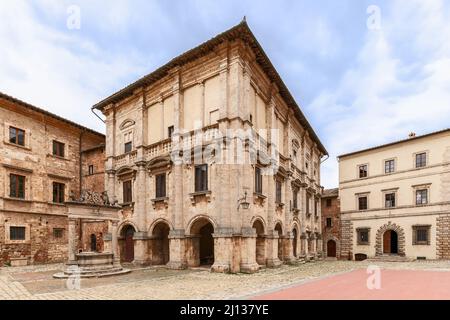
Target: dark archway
331,249
127,245
161,251
294,242
203,242
390,242
279,231
93,243
260,242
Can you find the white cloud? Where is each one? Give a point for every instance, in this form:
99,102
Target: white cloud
391,90
59,71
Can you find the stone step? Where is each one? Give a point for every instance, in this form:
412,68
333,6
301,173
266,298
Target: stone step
390,258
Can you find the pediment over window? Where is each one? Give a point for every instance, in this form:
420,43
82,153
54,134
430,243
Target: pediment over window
159,163
126,172
127,124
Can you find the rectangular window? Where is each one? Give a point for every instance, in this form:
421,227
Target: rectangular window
295,198
170,131
329,222
161,185
91,170
421,160
58,192
363,236
201,178
363,172
389,200
295,157
127,192
278,192
17,136
58,233
308,201
58,149
389,166
421,197
128,147
362,203
17,186
328,203
421,235
258,181
16,233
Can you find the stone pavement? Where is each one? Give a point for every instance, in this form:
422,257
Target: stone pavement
36,283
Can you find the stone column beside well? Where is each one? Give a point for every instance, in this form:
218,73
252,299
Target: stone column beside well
72,245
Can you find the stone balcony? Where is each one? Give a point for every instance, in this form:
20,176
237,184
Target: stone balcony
127,159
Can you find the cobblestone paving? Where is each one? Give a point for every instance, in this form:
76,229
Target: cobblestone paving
36,283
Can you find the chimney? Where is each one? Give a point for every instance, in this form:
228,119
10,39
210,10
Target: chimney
412,135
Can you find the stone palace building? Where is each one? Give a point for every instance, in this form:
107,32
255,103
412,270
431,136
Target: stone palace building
395,199
45,161
213,162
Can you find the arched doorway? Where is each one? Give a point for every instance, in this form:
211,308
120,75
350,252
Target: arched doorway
93,243
260,242
331,249
202,242
161,250
127,247
279,230
294,242
390,242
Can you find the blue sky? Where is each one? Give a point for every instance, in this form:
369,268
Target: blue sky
358,86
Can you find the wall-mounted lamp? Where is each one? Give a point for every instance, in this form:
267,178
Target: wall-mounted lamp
243,202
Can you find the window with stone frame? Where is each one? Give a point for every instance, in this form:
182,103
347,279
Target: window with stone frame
421,197
161,185
308,204
362,235
328,202
128,147
127,191
278,195
17,233
363,171
17,136
58,149
421,160
16,186
58,192
91,170
329,222
201,178
421,235
389,166
295,198
258,181
362,203
389,200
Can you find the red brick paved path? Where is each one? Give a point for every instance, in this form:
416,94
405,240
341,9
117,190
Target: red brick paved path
395,285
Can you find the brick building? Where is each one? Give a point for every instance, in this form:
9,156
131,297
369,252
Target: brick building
331,223
233,215
44,161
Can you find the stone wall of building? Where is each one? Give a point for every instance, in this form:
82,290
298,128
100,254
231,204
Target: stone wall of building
95,180
443,236
347,239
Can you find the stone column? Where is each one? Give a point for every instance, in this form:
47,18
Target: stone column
304,241
72,245
248,251
272,249
110,187
115,243
177,247
223,249
288,255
